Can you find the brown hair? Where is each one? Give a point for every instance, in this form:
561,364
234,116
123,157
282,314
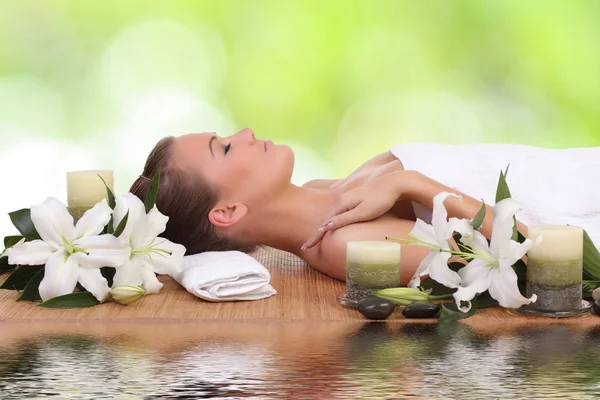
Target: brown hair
186,200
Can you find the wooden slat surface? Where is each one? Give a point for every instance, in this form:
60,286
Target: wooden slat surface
303,295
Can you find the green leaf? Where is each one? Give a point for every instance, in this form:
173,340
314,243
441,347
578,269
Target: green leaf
10,241
109,194
503,192
21,276
521,269
31,291
121,226
4,265
479,217
451,313
111,203
21,219
152,192
485,300
591,259
71,300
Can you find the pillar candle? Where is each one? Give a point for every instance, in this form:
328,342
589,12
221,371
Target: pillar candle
371,266
85,189
554,267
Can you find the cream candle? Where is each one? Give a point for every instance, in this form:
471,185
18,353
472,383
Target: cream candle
371,266
85,189
554,267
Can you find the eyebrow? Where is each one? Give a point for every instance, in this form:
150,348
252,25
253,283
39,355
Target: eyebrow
210,144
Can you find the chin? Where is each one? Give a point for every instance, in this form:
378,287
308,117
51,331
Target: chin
286,160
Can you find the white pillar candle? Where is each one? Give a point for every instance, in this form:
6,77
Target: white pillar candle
554,267
370,266
85,189
557,242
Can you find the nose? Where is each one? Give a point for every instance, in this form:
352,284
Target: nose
248,135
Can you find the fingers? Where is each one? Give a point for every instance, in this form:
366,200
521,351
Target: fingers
314,240
341,214
349,217
336,222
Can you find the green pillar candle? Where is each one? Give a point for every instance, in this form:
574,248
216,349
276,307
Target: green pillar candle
85,189
554,267
371,266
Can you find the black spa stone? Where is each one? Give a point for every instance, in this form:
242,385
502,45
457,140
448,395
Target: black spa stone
597,308
421,310
373,307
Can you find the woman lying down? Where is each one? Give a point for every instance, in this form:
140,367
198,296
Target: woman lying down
235,192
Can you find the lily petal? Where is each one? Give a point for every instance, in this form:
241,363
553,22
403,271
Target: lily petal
474,281
468,292
102,251
439,271
462,226
439,216
424,232
93,281
136,220
477,241
151,282
422,269
504,212
129,273
167,264
474,271
157,223
35,252
60,276
53,222
93,220
504,288
514,251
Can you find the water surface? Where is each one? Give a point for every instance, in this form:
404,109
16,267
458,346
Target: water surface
297,361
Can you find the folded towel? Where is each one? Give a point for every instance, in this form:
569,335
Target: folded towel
225,276
554,186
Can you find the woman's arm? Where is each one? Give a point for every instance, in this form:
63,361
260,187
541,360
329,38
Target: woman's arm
331,259
423,189
374,199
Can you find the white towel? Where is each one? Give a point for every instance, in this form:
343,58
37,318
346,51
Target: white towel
554,186
225,276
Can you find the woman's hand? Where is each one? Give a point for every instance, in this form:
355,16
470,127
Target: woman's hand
363,203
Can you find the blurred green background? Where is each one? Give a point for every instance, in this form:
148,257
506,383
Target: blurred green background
89,84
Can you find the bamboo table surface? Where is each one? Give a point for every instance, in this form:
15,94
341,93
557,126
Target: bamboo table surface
304,295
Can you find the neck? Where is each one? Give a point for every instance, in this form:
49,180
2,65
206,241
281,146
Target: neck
289,220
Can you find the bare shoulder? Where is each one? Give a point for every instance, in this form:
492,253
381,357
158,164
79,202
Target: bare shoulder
333,246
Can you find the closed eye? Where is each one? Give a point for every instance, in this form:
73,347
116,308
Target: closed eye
227,148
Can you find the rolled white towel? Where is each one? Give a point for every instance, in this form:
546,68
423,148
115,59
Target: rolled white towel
225,276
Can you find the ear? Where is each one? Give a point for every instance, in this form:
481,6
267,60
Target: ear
226,215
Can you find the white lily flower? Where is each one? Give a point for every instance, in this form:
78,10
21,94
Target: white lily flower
150,254
70,253
436,236
492,268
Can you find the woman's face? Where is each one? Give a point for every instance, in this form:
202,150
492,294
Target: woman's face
242,167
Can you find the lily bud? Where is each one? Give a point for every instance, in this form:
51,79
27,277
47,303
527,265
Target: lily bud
127,294
403,295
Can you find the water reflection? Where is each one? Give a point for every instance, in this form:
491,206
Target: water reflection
296,361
